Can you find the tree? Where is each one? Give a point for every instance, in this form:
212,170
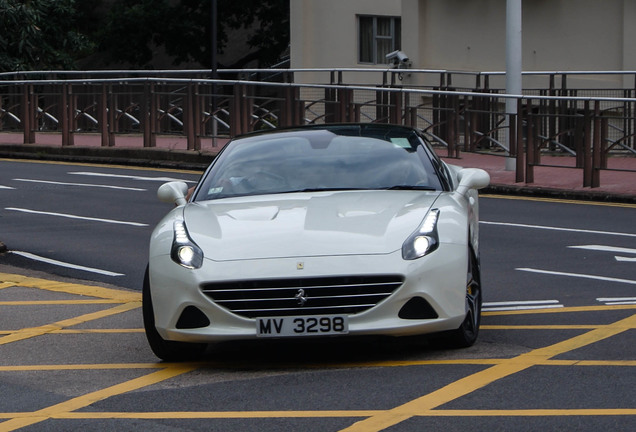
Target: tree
40,35
136,29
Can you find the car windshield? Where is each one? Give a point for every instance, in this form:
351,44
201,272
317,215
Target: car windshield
317,160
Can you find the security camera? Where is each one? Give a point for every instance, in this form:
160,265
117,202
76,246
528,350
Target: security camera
397,57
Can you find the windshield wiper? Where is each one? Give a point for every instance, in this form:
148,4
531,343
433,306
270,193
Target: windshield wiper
325,189
409,187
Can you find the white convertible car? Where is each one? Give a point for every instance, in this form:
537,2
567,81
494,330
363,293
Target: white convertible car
317,231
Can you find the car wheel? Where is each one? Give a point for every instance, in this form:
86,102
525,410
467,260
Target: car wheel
164,349
466,334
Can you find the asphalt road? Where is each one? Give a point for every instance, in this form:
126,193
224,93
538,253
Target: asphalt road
556,350
94,221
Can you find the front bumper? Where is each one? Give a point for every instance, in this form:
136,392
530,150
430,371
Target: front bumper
439,278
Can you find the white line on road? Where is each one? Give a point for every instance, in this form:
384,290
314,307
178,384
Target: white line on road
577,275
130,177
79,184
6,187
610,249
617,300
559,229
624,259
76,217
67,265
521,305
605,248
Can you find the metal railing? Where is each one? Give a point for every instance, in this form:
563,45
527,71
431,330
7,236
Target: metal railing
590,125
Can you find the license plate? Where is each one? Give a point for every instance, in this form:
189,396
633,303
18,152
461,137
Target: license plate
289,326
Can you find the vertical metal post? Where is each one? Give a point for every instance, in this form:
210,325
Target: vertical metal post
520,151
188,123
103,117
27,114
595,177
587,156
513,64
146,116
530,149
65,117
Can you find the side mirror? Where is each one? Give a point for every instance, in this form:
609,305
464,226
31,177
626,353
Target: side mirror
472,178
173,192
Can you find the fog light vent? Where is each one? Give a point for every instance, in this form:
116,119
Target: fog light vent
417,308
191,317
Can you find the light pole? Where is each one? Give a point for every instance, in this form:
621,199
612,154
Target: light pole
513,62
213,65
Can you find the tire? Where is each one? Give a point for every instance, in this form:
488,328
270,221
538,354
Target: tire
164,349
467,333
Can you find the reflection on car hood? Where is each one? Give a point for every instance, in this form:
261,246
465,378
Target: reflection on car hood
306,224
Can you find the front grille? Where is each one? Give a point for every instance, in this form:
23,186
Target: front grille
308,296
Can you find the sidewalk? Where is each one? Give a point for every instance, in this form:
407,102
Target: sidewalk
559,180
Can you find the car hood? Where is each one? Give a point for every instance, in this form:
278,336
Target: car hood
306,224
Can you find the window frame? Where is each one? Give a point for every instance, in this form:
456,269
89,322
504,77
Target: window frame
395,37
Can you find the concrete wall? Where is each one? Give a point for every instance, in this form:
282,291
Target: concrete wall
558,35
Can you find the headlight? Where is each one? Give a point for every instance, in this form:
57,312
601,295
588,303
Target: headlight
423,241
184,251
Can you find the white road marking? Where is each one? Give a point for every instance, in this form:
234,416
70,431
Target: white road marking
67,265
521,305
130,177
610,249
80,184
617,300
605,248
577,275
6,187
76,217
624,259
559,229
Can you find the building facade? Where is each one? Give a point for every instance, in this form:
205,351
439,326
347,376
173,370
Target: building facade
466,35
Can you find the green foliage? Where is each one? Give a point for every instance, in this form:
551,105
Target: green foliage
40,34
58,34
136,28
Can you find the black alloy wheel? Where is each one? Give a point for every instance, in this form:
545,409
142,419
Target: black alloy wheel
466,334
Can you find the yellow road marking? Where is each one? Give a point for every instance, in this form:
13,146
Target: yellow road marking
55,302
260,366
374,419
127,167
481,379
557,200
73,367
98,331
339,413
539,327
121,296
6,285
163,415
20,421
560,310
27,333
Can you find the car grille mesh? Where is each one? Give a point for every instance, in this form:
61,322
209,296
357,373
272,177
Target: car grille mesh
307,296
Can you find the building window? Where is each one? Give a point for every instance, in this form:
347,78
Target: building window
378,36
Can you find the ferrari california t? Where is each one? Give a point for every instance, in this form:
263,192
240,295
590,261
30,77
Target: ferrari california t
317,231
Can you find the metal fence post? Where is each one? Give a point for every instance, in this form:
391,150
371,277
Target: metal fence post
587,145
521,115
103,117
530,147
64,109
188,115
595,178
28,114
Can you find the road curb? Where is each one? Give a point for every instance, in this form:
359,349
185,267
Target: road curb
543,192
